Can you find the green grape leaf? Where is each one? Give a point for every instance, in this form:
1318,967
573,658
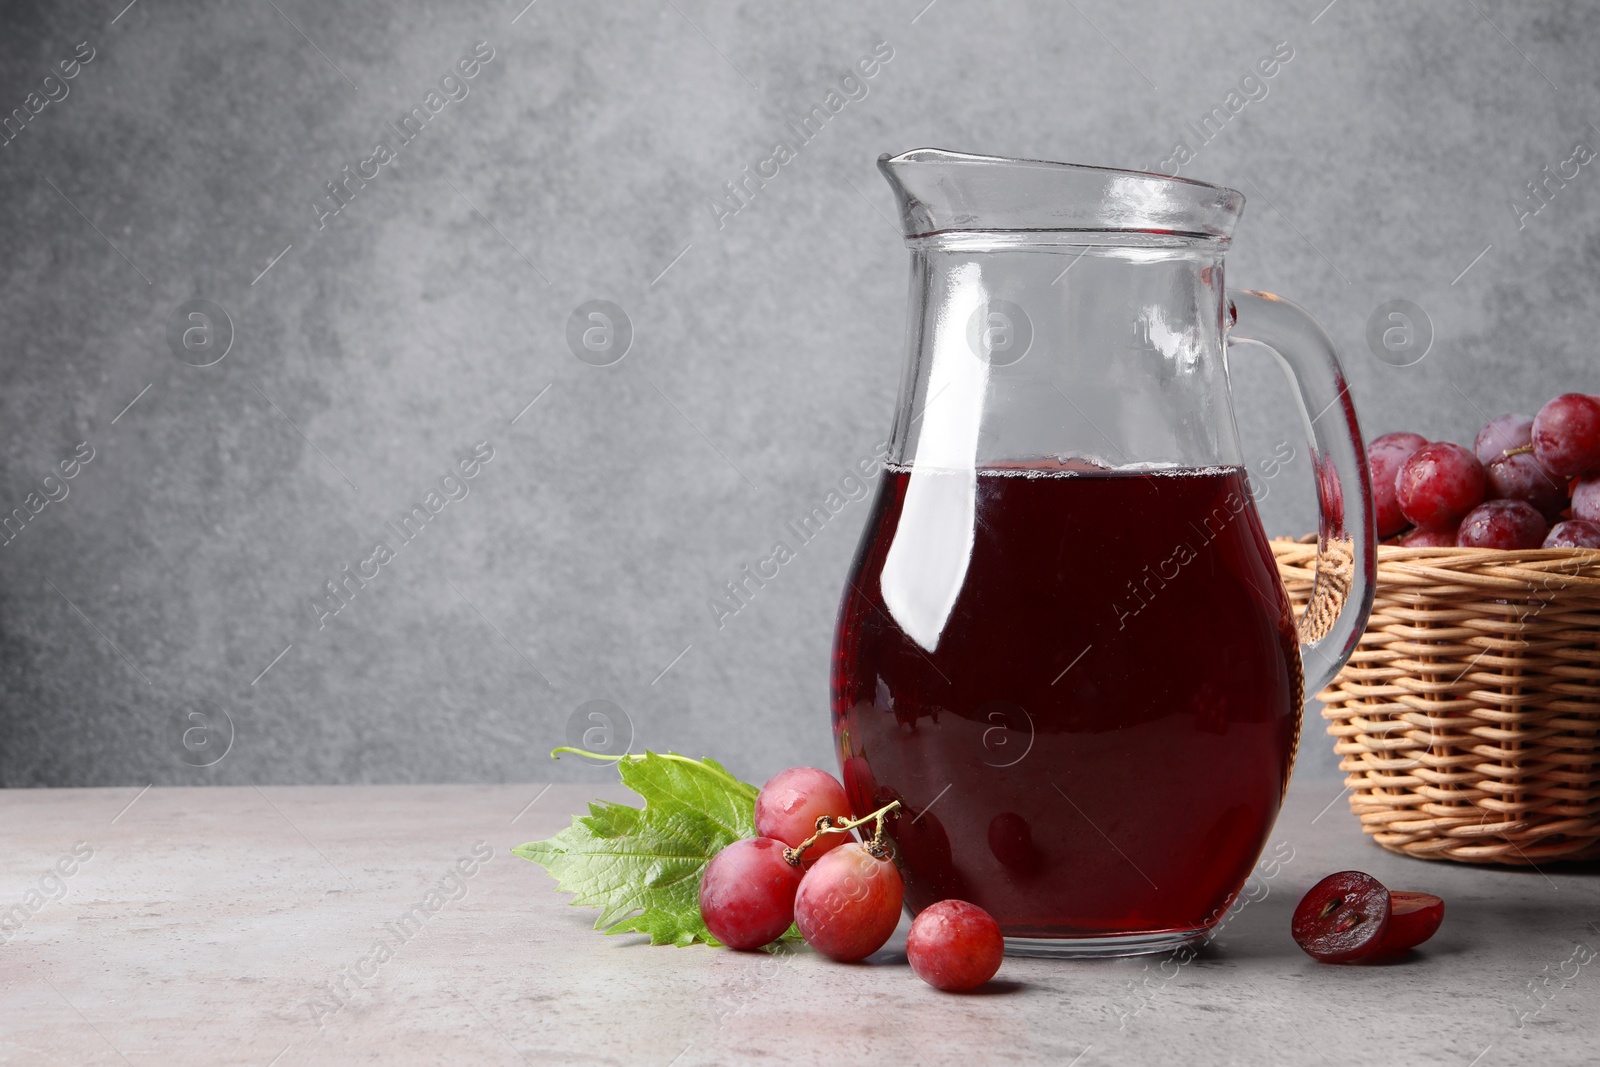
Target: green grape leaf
641,866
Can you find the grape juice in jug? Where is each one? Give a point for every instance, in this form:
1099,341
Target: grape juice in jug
1080,742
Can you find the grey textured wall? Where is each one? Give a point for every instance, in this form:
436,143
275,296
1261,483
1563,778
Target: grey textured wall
190,154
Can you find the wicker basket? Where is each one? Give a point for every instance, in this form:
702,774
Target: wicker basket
1468,717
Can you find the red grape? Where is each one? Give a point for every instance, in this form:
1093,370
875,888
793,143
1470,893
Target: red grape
1011,841
747,893
1503,524
923,843
1520,477
788,806
1429,539
1384,457
849,903
1574,533
1586,499
1500,435
860,785
1400,440
1439,484
1566,435
1413,918
955,946
1342,918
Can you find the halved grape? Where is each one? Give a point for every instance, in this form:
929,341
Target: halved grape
1342,918
1566,435
1502,524
747,893
1413,918
955,946
1439,484
849,903
788,806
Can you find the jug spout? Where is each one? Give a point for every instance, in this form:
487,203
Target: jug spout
941,192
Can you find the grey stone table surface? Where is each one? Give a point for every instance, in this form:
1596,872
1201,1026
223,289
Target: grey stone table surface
213,925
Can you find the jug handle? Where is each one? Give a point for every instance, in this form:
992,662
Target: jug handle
1341,596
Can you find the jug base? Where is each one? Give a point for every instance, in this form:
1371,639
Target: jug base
1089,948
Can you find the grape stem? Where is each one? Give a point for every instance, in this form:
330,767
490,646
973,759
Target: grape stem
1521,451
555,753
840,825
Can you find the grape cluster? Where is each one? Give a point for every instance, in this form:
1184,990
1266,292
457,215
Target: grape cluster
1526,483
843,895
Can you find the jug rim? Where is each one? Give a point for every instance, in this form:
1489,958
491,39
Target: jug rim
943,191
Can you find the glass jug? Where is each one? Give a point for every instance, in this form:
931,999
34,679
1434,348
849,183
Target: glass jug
1063,645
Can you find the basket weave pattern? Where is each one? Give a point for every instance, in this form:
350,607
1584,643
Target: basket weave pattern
1468,718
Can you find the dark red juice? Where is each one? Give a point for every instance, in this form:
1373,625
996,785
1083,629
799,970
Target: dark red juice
1083,686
